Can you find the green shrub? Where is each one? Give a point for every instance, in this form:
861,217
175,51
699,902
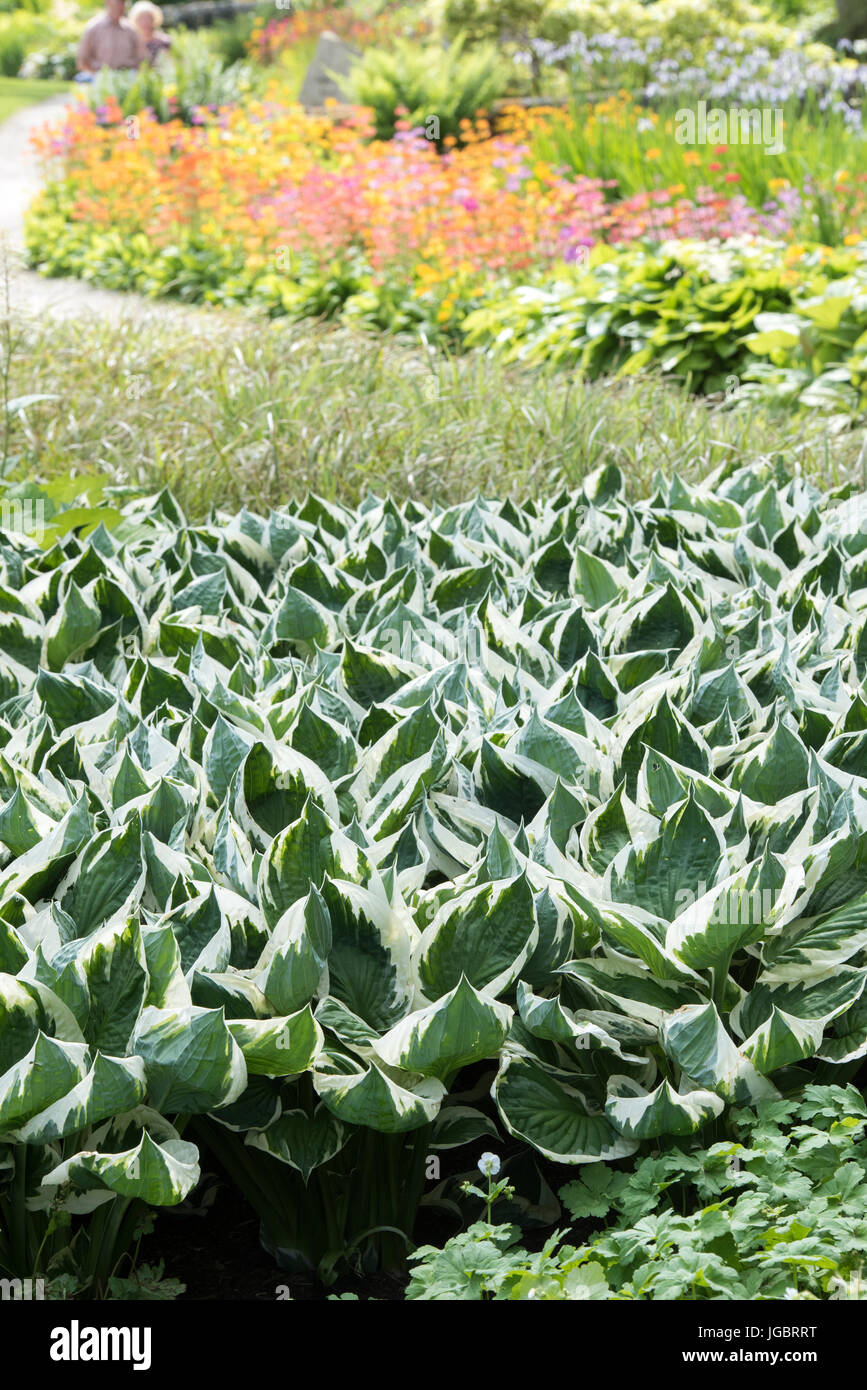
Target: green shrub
739,322
426,81
19,32
22,7
229,38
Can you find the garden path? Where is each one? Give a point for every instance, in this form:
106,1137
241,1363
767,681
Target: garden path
29,292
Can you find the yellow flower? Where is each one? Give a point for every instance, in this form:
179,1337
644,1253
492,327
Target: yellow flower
652,154
852,239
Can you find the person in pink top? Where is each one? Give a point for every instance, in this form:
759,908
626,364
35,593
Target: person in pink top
148,19
110,41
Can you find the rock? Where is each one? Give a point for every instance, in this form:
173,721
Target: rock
332,56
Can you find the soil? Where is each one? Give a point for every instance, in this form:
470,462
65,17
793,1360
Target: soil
216,1252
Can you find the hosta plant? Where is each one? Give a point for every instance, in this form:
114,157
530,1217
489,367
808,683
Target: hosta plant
317,827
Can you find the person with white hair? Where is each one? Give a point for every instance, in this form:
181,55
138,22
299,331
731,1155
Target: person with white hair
148,19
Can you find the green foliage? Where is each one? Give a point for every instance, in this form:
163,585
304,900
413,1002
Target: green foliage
53,61
229,38
517,22
20,30
486,1263
775,1212
24,7
426,81
302,815
733,320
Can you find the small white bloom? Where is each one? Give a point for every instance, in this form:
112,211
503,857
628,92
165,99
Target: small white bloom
489,1165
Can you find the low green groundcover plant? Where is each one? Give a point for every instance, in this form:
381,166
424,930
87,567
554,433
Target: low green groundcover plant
743,317
304,815
775,1212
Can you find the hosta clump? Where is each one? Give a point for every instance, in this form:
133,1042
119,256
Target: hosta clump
304,815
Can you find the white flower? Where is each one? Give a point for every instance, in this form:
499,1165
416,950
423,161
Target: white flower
489,1165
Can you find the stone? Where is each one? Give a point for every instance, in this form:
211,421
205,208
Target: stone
332,56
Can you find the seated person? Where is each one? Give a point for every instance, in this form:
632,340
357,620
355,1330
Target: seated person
148,19
110,41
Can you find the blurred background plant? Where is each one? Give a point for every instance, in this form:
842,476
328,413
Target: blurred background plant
195,77
451,84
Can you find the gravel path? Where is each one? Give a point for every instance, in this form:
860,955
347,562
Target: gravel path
31,293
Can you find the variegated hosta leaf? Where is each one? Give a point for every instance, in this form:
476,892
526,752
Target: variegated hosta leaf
107,878
487,934
292,963
546,1111
47,1072
638,1114
781,1040
111,1086
160,1174
697,1041
631,987
809,947
455,1125
301,1140
192,1062
379,1098
278,1046
461,1027
550,1020
300,857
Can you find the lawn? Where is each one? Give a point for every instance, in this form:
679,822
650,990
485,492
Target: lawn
17,92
